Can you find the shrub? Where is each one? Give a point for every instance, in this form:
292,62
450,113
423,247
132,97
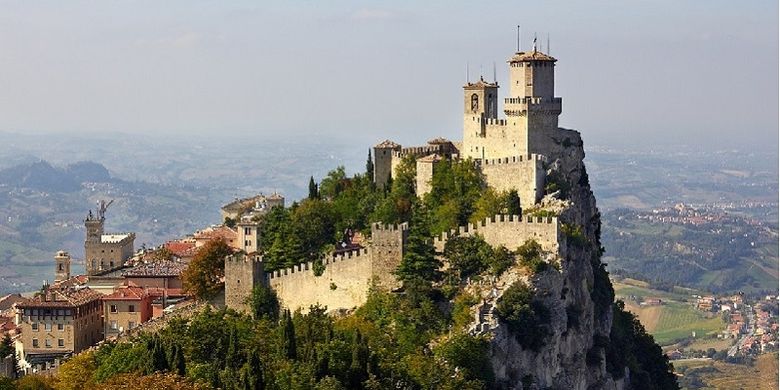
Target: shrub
530,255
526,317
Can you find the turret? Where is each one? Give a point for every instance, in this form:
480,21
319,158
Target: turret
383,162
242,274
62,263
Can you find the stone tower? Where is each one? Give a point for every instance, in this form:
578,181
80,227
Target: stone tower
480,106
531,111
62,263
532,107
387,251
425,168
242,274
383,161
248,235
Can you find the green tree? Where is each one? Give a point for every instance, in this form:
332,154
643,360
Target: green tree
314,192
203,276
512,202
370,167
230,222
419,263
335,182
526,317
468,255
289,347
264,303
313,221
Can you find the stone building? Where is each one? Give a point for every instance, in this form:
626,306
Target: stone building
511,150
57,323
255,205
62,263
105,252
124,309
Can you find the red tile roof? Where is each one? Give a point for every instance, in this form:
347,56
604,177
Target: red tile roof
180,248
62,297
156,269
126,293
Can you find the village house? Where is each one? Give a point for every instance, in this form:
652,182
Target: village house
124,309
57,323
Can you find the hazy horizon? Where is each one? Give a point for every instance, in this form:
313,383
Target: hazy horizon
642,74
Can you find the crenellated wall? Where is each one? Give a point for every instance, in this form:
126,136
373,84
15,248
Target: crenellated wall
512,231
525,174
343,284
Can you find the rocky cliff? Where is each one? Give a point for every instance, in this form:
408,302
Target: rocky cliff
577,294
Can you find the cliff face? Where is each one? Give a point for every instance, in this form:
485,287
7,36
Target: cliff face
579,304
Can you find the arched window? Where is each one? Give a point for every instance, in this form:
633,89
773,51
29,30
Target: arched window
474,102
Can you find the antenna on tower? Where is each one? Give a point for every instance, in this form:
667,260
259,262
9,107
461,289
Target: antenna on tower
495,80
518,38
467,72
548,44
480,72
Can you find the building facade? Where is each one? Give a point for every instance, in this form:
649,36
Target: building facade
57,323
124,309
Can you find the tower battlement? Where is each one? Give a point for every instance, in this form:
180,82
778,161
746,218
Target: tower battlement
512,160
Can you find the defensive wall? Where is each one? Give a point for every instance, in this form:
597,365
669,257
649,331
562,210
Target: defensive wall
511,231
343,284
525,174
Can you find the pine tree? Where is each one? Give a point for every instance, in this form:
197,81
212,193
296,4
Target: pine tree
513,203
233,357
419,263
358,368
289,347
254,369
314,192
370,167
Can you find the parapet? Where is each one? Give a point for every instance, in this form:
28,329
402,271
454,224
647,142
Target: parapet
517,224
512,160
377,226
357,254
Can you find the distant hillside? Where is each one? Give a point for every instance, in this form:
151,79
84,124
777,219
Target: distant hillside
42,176
42,207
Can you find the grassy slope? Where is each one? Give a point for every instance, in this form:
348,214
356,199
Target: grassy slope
763,375
672,321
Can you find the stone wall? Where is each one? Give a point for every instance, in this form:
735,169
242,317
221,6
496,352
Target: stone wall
242,273
512,231
343,285
525,174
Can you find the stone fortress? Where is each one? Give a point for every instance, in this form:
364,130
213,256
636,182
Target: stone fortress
103,252
511,154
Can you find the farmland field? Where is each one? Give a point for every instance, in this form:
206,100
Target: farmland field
674,320
762,375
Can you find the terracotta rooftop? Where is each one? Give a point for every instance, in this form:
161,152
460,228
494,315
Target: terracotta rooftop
62,297
432,158
525,56
180,248
7,301
387,144
126,293
156,269
211,233
73,281
439,141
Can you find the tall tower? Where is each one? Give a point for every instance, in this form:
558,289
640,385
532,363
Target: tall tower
62,263
532,108
383,162
94,225
248,235
480,106
242,274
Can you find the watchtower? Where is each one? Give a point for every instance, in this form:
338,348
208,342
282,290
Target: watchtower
532,108
62,263
387,250
383,162
480,106
242,274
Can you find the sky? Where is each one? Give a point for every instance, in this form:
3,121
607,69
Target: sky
629,72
